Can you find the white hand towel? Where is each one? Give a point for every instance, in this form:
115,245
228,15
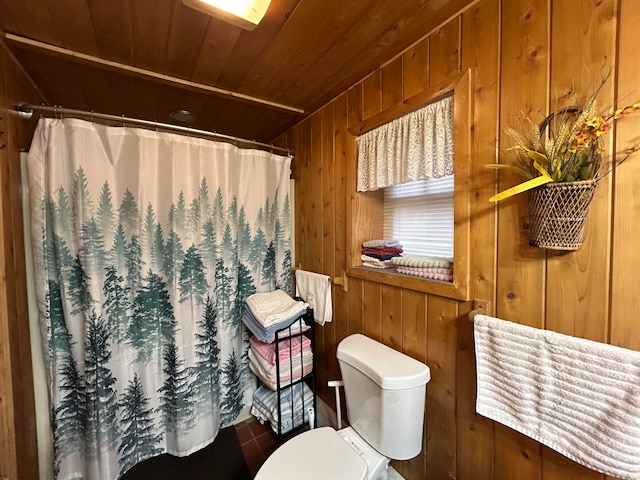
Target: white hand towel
315,289
578,397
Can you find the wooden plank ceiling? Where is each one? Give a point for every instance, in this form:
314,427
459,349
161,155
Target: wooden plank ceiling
302,54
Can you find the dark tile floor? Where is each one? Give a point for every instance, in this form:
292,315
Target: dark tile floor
257,441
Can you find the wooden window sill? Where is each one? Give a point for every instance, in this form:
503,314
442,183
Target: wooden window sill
390,277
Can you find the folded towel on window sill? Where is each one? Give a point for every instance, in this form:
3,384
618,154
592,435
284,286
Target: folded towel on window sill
382,251
443,274
422,261
382,243
368,261
383,257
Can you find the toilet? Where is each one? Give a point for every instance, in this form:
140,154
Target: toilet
385,394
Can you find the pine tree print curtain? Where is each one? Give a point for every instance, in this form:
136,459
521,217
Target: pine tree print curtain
146,245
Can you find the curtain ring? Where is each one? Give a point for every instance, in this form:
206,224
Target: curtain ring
124,123
92,119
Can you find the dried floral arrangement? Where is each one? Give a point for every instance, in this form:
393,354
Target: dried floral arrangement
566,147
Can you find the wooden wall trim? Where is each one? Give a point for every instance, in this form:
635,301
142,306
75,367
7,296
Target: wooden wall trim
526,58
408,105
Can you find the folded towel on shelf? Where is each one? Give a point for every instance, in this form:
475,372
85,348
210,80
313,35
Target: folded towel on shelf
267,334
422,261
286,348
368,261
381,243
383,257
290,371
288,368
294,403
382,251
578,397
444,274
269,308
376,265
315,289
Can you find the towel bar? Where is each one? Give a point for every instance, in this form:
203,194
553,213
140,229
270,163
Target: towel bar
341,280
480,307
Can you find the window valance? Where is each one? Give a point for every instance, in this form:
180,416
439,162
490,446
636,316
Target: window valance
416,146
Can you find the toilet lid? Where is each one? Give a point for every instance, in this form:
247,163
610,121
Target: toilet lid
318,454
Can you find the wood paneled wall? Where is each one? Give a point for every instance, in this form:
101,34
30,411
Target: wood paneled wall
527,56
18,452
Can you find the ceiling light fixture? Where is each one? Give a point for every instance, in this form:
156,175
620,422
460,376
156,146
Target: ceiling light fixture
242,13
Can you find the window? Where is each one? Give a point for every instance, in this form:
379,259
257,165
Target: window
366,208
420,215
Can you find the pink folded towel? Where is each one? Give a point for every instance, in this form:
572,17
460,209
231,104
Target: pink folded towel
444,274
268,350
288,373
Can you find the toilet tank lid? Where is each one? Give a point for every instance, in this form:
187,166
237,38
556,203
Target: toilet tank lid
390,369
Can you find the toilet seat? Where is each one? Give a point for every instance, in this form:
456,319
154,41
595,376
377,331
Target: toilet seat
318,454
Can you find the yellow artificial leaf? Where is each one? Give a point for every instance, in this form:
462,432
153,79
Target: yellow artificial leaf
522,187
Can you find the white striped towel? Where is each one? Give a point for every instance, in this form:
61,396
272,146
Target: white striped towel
269,308
294,403
578,397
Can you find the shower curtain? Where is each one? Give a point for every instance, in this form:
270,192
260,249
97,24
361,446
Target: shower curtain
145,247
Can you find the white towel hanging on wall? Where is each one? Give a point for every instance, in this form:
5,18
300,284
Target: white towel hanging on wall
578,397
315,289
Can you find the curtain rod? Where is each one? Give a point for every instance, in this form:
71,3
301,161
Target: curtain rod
26,112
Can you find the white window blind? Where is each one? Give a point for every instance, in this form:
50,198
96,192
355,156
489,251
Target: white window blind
420,215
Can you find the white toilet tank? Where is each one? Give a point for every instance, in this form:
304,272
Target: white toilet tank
385,394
